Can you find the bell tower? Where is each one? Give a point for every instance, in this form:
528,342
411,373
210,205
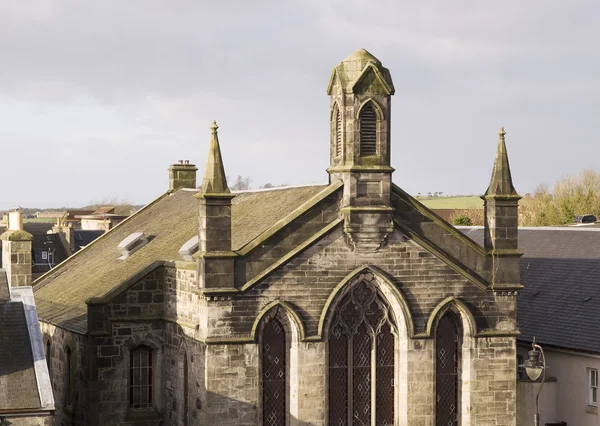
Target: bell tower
360,91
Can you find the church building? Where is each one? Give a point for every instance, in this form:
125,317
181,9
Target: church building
346,304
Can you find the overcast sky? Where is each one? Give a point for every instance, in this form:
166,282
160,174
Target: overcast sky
98,98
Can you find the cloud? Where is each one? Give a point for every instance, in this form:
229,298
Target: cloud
106,94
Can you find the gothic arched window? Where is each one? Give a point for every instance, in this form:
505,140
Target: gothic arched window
361,343
274,382
184,386
48,355
140,378
368,130
69,377
338,131
447,370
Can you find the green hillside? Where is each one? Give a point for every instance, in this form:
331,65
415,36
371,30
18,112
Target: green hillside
471,202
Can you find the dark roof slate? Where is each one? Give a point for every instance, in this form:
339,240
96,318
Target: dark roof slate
171,220
560,270
18,383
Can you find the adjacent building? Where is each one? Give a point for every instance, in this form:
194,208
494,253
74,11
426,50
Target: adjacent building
25,391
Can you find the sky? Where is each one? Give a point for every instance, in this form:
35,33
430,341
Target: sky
98,98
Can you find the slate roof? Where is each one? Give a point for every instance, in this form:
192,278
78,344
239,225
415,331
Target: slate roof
171,220
47,242
83,237
560,269
18,385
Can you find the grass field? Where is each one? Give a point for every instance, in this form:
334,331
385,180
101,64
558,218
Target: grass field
40,220
472,202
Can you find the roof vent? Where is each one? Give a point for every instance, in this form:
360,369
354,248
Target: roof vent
189,248
132,243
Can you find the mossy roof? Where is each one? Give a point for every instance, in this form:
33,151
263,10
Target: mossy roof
170,220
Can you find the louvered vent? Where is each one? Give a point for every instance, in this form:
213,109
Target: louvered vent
368,131
338,133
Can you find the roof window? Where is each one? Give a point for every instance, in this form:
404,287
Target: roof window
189,248
133,242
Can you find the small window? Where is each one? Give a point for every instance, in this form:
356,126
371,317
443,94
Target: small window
338,133
140,378
69,378
368,130
48,359
593,385
44,255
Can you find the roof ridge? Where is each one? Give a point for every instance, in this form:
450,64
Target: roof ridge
278,188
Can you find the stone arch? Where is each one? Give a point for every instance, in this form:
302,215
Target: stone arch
336,120
295,322
156,344
401,317
469,331
392,294
468,320
183,381
294,333
376,107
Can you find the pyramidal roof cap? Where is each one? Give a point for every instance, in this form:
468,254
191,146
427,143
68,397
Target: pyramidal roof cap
355,67
362,55
501,185
215,181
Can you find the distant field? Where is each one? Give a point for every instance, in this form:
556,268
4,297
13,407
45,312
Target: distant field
472,202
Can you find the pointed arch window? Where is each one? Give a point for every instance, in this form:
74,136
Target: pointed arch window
338,131
361,357
183,381
368,130
69,377
141,378
48,355
274,374
447,370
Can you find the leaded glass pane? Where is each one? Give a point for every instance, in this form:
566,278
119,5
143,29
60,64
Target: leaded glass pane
274,374
361,376
447,363
362,323
384,368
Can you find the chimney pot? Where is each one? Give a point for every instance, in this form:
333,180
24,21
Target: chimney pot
15,220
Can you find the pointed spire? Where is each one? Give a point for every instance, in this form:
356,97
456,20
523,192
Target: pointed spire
214,182
501,183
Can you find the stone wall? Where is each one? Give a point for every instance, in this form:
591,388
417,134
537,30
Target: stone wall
165,311
60,339
307,282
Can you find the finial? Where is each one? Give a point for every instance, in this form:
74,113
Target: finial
214,127
501,133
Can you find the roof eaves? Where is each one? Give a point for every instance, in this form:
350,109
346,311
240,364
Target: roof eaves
438,220
126,284
275,266
371,66
280,224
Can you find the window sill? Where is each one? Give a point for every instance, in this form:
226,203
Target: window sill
151,414
591,409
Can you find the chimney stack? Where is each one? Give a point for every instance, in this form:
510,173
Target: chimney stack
182,175
16,251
